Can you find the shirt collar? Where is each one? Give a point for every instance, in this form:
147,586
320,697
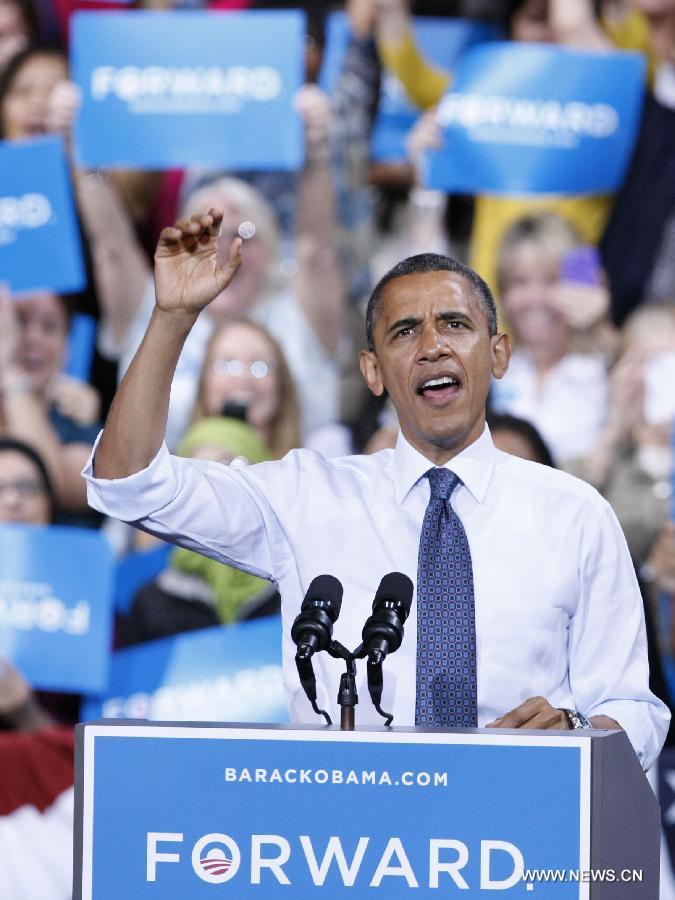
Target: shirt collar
474,465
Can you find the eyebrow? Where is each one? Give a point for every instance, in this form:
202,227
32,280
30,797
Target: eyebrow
449,316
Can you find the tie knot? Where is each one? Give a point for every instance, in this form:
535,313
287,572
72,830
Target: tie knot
443,482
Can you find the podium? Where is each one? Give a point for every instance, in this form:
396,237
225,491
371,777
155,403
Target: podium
168,810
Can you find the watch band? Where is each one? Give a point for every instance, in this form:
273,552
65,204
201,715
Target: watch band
575,719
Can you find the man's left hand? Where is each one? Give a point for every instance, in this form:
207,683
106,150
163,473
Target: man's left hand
536,712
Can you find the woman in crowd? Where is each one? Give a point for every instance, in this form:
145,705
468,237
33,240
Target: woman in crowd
632,464
194,591
561,391
26,494
26,87
38,404
245,374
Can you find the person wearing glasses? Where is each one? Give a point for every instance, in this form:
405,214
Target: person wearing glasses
26,494
245,375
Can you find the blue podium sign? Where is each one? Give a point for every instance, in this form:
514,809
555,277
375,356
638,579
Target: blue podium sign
538,119
230,673
320,812
442,42
165,90
56,605
40,246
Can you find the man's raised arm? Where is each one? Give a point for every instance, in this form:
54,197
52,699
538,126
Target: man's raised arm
188,276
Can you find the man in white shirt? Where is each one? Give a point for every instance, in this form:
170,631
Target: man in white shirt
558,614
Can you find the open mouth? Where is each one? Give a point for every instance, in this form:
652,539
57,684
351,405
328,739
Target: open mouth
439,390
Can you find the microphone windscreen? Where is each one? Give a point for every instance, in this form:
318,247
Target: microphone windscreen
395,586
327,588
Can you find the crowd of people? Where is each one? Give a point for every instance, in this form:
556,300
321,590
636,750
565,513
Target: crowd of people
272,365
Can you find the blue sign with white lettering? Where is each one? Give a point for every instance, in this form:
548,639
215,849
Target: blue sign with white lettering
314,813
56,605
228,673
538,119
40,246
441,42
165,90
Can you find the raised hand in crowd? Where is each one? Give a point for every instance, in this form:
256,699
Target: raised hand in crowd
586,309
574,23
361,15
63,105
392,19
583,305
319,283
624,413
19,708
425,221
76,400
426,134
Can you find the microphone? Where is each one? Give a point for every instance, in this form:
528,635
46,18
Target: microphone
313,627
312,630
235,409
383,631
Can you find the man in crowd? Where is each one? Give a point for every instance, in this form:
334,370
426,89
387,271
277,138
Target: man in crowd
527,612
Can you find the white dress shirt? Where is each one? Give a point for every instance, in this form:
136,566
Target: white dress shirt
558,610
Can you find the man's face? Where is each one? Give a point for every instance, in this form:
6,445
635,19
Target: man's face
435,357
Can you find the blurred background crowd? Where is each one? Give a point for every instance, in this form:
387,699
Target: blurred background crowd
585,287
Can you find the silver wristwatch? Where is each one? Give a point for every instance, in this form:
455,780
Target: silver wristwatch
575,719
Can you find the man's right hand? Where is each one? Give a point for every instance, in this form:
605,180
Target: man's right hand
188,275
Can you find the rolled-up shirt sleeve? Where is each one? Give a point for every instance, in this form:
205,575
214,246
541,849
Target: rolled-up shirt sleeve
608,662
217,510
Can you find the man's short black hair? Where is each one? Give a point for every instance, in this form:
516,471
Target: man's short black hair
430,262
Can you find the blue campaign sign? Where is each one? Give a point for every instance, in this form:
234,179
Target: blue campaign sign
337,35
442,42
167,90
327,813
81,342
538,119
56,605
134,570
228,673
39,238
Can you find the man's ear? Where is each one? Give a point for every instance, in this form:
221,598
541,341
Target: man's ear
501,354
371,372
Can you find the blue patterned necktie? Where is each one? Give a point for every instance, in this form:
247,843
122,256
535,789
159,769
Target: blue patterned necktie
446,628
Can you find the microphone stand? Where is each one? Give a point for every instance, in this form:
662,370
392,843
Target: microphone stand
347,696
